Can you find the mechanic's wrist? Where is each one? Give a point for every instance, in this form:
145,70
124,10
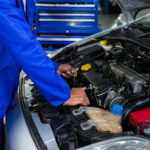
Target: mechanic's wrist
65,103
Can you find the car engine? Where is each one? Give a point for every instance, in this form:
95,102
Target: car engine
113,73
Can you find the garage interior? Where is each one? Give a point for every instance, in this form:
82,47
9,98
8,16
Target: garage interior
87,18
106,18
93,36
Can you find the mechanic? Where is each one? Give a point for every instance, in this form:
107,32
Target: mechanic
19,49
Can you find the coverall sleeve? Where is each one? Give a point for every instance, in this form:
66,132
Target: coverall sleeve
56,64
17,38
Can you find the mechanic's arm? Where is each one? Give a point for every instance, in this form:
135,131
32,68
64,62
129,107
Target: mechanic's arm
29,55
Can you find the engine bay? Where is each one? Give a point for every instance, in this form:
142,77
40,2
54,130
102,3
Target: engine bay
113,72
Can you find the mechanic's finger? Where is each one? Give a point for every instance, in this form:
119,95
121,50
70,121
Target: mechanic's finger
83,88
83,102
65,75
87,101
74,70
69,73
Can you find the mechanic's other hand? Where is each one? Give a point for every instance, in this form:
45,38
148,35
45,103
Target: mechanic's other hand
78,96
67,70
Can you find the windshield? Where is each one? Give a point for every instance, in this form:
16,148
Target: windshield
145,21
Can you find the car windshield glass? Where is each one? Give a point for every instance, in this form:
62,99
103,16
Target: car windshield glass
145,21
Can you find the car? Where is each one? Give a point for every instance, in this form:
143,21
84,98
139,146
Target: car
126,17
114,66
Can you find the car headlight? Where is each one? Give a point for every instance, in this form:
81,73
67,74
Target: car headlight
121,143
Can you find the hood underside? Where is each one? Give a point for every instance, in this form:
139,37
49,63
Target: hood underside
133,6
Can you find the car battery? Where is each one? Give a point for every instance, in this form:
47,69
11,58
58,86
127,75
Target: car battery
140,119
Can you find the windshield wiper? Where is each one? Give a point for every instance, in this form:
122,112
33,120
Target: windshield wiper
140,26
143,27
144,35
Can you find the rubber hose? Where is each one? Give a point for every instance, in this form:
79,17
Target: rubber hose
133,106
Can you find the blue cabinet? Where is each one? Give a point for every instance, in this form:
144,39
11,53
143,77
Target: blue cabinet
61,22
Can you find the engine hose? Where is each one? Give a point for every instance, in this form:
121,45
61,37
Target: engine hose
142,96
140,127
133,106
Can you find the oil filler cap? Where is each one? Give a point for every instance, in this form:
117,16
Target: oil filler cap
86,67
117,109
103,42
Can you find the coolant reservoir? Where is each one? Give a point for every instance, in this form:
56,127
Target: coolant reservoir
104,44
117,110
103,120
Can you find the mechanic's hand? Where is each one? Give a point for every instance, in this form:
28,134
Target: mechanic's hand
66,70
78,96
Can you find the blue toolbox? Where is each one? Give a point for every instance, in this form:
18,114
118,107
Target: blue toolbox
61,22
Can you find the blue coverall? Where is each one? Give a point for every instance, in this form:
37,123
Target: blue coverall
19,49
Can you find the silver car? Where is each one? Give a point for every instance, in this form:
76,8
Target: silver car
114,66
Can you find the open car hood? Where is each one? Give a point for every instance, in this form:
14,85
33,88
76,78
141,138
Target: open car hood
133,6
